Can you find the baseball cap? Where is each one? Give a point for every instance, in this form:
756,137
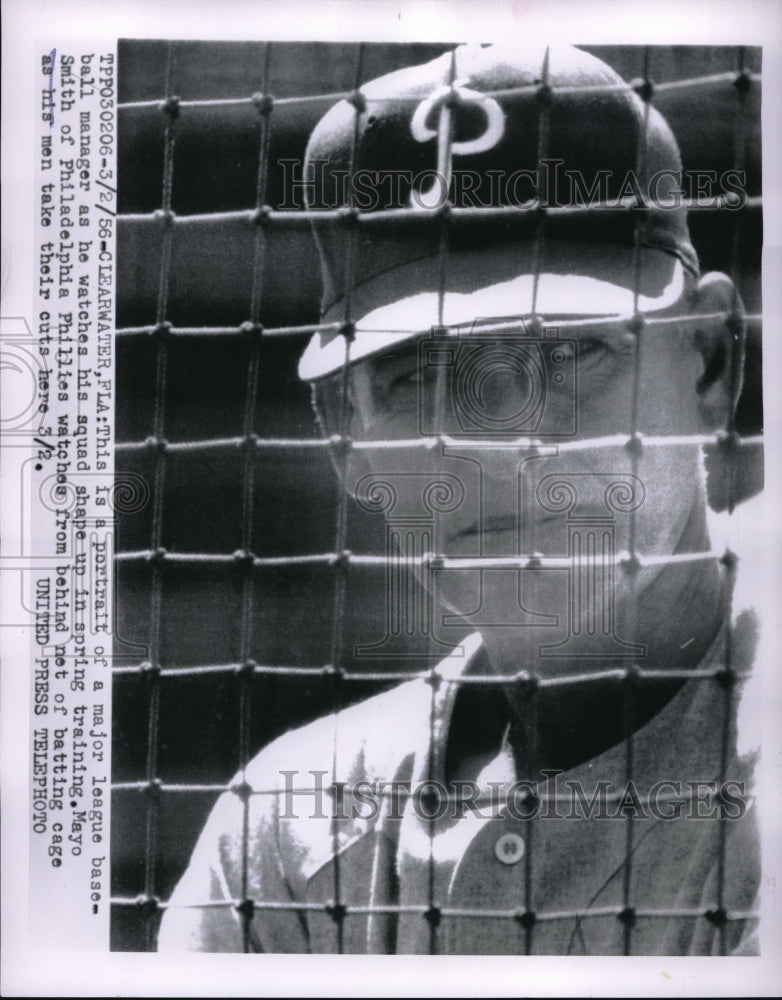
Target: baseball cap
473,177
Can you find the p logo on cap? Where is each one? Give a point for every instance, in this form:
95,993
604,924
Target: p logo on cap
440,101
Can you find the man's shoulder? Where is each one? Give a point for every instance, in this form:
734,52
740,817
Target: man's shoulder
371,740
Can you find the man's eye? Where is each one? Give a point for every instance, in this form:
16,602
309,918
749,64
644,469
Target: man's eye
589,346
579,349
411,377
591,351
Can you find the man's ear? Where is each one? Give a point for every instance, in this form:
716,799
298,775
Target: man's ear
720,342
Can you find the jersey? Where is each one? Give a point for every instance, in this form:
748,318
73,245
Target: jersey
384,877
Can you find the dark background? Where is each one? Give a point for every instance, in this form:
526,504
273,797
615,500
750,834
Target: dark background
215,170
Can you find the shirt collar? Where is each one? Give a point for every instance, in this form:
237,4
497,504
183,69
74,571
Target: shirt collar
683,740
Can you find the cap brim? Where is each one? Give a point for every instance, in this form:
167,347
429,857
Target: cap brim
589,280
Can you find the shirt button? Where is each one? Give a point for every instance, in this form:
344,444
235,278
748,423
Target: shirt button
509,849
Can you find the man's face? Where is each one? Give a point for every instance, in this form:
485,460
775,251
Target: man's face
583,506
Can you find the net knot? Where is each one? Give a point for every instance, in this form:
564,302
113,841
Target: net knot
264,103
340,444
348,216
527,919
342,559
262,216
171,106
246,669
726,678
246,909
243,558
242,790
153,789
251,330
630,564
157,444
337,911
634,445
636,324
729,560
348,331
644,89
735,324
718,916
358,100
148,905
434,680
545,95
526,683
164,216
731,200
631,675
161,331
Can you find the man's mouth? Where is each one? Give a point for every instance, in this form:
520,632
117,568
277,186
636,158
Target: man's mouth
512,533
491,525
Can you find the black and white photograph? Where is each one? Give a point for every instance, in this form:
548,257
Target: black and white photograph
432,569
437,361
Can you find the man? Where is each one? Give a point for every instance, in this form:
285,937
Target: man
520,347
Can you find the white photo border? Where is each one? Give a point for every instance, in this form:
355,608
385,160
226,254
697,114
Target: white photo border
29,972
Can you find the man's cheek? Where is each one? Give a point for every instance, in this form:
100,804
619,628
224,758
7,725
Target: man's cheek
673,481
667,395
547,617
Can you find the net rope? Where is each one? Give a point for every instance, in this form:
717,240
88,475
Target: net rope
153,673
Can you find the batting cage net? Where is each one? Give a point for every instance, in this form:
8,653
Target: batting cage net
246,579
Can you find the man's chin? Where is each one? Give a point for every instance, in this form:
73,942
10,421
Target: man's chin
534,624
